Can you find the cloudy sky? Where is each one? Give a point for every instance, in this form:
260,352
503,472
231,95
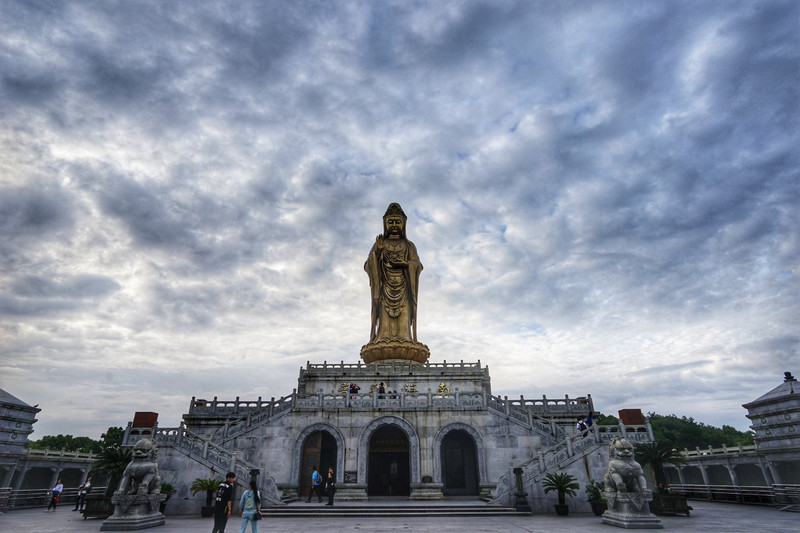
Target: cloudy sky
604,196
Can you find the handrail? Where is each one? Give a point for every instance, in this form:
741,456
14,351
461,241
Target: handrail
778,493
62,453
326,366
27,498
204,449
572,446
724,450
253,414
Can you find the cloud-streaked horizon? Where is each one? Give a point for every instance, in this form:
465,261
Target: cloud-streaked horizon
604,197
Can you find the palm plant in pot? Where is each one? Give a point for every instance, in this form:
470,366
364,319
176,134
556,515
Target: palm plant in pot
565,485
656,454
209,486
168,490
594,493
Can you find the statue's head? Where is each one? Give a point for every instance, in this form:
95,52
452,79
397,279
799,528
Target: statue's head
144,449
394,221
621,448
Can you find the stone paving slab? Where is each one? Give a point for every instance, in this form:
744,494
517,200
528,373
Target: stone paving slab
707,517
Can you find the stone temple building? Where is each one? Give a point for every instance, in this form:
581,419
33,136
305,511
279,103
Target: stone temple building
414,429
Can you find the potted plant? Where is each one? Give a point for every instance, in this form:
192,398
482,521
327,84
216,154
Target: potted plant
594,493
167,490
110,463
656,454
210,486
565,485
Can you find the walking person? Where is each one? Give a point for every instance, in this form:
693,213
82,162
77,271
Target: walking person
330,486
316,485
250,507
55,494
84,489
224,503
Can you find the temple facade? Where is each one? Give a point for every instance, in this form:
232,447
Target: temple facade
394,424
434,432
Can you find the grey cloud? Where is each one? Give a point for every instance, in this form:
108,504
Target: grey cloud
33,211
82,286
37,295
151,218
622,169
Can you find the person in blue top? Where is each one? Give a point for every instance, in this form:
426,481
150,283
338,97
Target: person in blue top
316,485
249,507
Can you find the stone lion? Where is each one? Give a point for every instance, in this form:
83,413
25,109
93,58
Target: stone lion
624,473
141,474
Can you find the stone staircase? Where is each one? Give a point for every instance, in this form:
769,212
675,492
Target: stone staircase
212,456
556,458
390,508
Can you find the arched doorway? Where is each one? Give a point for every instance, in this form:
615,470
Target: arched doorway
388,471
459,464
319,450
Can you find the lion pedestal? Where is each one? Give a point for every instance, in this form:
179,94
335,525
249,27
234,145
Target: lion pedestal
135,511
138,498
626,490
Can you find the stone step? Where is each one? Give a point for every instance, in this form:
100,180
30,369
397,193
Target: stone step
382,510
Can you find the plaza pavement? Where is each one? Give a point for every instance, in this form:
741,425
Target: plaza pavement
707,517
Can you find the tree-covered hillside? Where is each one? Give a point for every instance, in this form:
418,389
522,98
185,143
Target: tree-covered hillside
683,432
112,437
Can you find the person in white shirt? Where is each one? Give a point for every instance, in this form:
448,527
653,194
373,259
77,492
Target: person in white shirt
55,493
83,490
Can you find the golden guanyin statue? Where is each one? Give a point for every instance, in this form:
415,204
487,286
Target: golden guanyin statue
393,267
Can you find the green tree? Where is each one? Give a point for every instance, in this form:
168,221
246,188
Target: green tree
66,442
606,420
112,437
111,463
656,454
684,432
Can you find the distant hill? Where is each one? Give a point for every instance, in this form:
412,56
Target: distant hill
683,432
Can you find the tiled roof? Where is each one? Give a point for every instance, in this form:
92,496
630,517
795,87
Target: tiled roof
5,397
787,388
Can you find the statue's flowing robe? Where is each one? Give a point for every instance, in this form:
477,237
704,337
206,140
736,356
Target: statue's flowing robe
393,290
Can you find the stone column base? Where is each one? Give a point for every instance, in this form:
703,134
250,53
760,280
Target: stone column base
623,520
630,511
288,490
426,491
134,511
352,492
486,491
132,524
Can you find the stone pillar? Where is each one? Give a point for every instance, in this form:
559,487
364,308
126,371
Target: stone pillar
732,473
425,457
427,489
765,471
703,473
53,480
9,477
776,477
22,472
520,501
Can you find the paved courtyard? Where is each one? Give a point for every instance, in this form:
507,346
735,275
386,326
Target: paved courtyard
707,517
